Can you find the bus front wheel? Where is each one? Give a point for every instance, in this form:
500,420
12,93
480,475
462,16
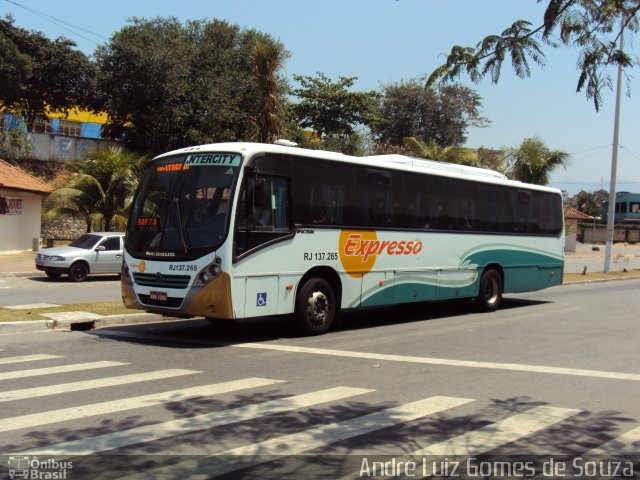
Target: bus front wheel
490,296
315,307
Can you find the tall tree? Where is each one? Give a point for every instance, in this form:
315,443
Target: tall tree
592,26
268,59
167,85
41,75
329,107
442,115
449,154
588,202
532,161
100,189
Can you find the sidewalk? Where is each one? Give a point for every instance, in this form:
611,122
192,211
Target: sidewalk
622,257
18,264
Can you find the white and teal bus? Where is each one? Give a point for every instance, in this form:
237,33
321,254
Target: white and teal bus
238,230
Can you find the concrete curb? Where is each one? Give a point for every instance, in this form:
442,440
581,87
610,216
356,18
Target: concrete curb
598,280
87,324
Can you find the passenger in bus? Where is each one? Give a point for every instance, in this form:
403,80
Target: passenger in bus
465,215
324,216
261,207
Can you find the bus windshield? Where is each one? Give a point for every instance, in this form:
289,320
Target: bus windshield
182,207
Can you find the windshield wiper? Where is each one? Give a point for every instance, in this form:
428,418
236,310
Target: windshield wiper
179,227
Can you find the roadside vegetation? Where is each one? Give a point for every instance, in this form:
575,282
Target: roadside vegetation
167,84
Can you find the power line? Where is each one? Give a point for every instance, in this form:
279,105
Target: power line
588,150
631,152
75,29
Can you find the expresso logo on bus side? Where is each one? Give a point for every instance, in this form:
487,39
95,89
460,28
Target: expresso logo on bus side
359,250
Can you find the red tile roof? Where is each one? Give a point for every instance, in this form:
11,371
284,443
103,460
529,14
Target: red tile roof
573,214
12,178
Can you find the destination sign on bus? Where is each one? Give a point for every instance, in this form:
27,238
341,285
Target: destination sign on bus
213,159
171,167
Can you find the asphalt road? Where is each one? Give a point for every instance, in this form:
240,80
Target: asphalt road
41,289
552,373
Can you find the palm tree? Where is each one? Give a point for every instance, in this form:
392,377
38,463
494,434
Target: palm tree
588,202
533,161
267,60
433,151
100,189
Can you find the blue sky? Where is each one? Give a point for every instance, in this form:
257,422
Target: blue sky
385,41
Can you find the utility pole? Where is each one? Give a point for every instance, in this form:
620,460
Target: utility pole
611,214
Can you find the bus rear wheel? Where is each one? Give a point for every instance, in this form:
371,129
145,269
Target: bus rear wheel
315,308
490,295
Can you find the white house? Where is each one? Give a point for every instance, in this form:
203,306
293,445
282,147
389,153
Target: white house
21,197
571,219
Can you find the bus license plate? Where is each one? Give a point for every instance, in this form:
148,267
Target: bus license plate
158,296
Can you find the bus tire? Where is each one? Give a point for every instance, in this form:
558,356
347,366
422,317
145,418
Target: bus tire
490,295
315,307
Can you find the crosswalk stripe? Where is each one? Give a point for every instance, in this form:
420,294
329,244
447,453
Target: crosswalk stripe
91,384
296,443
27,358
34,372
131,403
149,433
626,443
500,433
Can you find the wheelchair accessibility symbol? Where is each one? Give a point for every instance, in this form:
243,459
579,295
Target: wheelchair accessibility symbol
261,299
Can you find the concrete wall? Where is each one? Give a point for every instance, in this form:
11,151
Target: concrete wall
18,231
60,148
621,234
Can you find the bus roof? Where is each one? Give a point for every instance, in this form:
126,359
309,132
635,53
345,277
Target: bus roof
393,161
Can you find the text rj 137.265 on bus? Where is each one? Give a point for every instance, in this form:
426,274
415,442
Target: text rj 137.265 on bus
237,230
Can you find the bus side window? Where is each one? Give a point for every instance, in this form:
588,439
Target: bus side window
379,198
263,212
323,193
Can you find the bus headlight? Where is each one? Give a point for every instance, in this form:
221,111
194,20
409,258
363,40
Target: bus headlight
208,273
